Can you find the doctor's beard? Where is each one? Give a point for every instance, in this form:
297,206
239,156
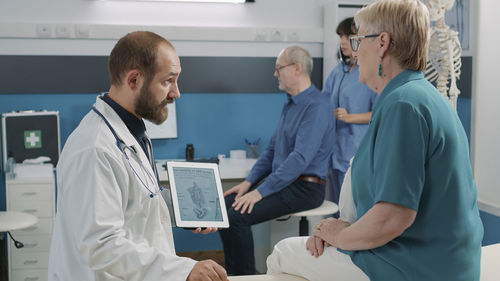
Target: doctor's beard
148,109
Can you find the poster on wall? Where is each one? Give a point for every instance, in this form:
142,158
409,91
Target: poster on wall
458,19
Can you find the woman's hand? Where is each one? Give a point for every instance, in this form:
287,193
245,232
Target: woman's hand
329,229
315,246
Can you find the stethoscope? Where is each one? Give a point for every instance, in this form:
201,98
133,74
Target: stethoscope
122,147
346,64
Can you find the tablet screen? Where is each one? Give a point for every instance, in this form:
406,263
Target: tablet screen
197,194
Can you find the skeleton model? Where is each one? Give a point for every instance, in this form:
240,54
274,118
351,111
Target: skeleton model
444,52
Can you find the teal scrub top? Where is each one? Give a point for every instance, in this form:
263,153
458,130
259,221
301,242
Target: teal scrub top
415,153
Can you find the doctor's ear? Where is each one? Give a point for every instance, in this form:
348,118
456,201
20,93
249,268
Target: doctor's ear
133,79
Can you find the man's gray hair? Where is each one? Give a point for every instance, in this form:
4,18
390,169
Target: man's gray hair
297,54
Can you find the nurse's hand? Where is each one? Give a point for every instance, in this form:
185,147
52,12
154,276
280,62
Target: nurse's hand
239,189
341,114
247,201
205,230
329,229
207,270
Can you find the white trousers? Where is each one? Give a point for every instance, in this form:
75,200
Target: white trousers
291,256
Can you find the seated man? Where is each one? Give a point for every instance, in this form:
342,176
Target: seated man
295,163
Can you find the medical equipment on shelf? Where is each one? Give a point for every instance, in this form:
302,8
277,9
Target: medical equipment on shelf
122,147
30,134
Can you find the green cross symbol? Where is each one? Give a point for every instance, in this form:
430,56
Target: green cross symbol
32,139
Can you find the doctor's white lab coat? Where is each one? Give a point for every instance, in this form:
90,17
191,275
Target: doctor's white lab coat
107,227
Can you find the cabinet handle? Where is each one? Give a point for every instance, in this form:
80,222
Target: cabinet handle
29,211
29,193
31,278
30,262
30,245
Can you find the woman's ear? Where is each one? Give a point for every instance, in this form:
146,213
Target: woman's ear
384,43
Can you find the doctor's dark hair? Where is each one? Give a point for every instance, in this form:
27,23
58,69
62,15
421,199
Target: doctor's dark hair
346,27
136,50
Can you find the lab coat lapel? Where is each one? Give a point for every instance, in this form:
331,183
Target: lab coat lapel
123,132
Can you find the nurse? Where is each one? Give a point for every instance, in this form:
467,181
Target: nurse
412,184
352,104
112,222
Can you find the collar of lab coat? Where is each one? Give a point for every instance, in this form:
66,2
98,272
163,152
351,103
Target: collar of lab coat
123,132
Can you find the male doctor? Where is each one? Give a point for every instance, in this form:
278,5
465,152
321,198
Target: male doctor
112,223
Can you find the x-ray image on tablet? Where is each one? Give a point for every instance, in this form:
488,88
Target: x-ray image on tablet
197,196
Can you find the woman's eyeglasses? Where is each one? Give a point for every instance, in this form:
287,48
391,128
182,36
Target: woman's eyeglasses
356,40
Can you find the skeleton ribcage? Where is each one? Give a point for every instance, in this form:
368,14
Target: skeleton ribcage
439,62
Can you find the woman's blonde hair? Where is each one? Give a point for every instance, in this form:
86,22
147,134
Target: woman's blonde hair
407,21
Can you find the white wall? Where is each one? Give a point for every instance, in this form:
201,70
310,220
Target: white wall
304,13
254,29
485,135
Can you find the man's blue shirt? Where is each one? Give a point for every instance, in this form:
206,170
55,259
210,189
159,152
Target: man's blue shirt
300,144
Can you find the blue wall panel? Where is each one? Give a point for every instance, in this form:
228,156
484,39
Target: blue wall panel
214,123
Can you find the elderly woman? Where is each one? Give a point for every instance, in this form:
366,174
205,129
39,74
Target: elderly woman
412,185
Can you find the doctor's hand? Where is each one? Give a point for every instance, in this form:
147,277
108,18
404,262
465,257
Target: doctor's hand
341,114
239,189
247,201
205,230
207,270
329,229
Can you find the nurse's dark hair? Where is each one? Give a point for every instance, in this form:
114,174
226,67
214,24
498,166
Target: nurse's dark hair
345,27
136,50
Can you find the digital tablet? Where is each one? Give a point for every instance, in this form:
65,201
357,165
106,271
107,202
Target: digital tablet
197,197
